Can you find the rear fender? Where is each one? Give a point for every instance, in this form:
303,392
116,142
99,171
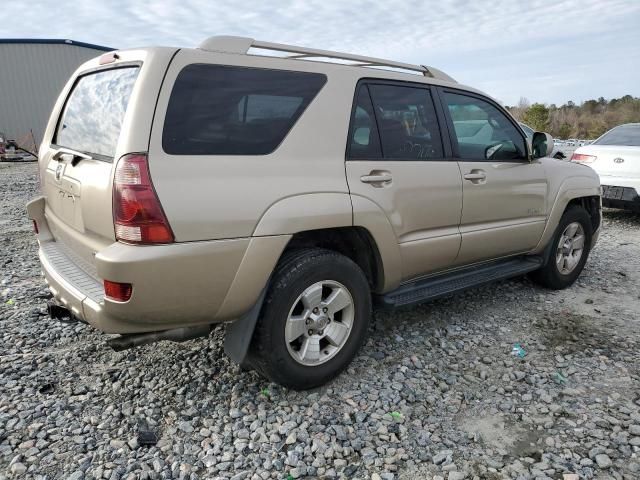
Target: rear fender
300,213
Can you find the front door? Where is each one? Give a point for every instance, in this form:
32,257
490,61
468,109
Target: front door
397,160
504,193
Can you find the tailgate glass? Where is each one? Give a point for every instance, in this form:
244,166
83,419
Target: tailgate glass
92,118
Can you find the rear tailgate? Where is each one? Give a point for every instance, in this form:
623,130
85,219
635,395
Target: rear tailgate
615,161
104,112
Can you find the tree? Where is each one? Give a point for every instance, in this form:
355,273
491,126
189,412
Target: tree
537,117
590,119
518,110
564,131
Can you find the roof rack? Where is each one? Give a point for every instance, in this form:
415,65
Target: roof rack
242,45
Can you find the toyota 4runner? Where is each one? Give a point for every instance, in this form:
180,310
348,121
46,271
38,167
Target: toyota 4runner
286,190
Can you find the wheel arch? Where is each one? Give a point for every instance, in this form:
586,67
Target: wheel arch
581,191
355,243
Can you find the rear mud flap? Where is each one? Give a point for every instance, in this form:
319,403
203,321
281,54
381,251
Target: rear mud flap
238,334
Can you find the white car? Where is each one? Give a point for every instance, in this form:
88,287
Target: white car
615,156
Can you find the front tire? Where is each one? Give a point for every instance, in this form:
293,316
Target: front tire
569,252
315,317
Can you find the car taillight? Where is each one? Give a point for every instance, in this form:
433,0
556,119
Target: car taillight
35,227
582,158
120,292
137,214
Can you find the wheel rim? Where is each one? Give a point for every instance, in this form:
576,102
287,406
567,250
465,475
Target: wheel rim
570,248
319,323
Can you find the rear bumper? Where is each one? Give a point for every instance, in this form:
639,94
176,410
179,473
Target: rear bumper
175,285
626,198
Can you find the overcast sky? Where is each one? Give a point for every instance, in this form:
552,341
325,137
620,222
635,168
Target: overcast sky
547,51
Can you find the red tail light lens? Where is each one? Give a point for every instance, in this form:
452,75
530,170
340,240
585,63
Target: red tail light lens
137,214
35,227
119,292
582,158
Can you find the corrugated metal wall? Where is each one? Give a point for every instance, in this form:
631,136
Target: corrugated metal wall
31,78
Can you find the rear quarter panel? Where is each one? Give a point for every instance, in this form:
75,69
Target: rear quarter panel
225,196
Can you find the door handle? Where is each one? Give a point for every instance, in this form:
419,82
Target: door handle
377,177
476,176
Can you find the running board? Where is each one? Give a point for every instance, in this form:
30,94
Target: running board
437,286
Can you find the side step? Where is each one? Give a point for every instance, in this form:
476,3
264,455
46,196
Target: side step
437,286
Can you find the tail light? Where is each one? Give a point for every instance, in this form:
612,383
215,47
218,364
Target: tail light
120,292
137,214
582,158
35,227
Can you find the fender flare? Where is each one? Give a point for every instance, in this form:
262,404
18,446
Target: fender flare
302,213
570,189
370,216
310,211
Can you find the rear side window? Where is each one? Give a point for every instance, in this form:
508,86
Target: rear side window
92,118
224,110
394,122
364,141
407,122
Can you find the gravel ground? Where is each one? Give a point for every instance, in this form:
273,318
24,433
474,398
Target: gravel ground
435,393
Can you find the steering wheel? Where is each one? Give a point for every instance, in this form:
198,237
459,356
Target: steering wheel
492,149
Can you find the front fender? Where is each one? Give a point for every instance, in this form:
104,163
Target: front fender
570,189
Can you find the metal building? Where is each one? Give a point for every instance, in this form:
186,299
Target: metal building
32,74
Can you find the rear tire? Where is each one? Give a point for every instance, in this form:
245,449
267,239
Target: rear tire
565,262
300,341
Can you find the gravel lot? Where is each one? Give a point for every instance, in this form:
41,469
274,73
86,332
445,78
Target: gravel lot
435,393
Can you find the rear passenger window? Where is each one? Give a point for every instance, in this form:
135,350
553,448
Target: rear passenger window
364,141
407,122
483,132
223,110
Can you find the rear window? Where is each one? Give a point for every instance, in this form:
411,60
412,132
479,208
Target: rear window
623,135
93,115
223,110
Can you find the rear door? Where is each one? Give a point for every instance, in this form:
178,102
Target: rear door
613,162
504,194
397,159
104,112
77,178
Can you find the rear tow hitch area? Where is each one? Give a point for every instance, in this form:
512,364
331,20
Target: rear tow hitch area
125,342
58,312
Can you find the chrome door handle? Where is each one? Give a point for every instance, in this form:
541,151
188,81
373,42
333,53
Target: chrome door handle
376,178
475,176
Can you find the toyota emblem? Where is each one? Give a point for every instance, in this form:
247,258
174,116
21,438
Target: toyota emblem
618,160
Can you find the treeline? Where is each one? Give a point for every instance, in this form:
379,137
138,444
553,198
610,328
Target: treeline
586,121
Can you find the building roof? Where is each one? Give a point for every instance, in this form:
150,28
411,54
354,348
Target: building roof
55,41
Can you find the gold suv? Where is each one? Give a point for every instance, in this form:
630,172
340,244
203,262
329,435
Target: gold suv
285,190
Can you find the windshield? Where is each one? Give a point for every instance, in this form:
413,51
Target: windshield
93,115
622,135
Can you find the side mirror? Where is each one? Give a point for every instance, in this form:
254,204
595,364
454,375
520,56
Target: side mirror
542,144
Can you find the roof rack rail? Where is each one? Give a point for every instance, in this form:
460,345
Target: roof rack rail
242,45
